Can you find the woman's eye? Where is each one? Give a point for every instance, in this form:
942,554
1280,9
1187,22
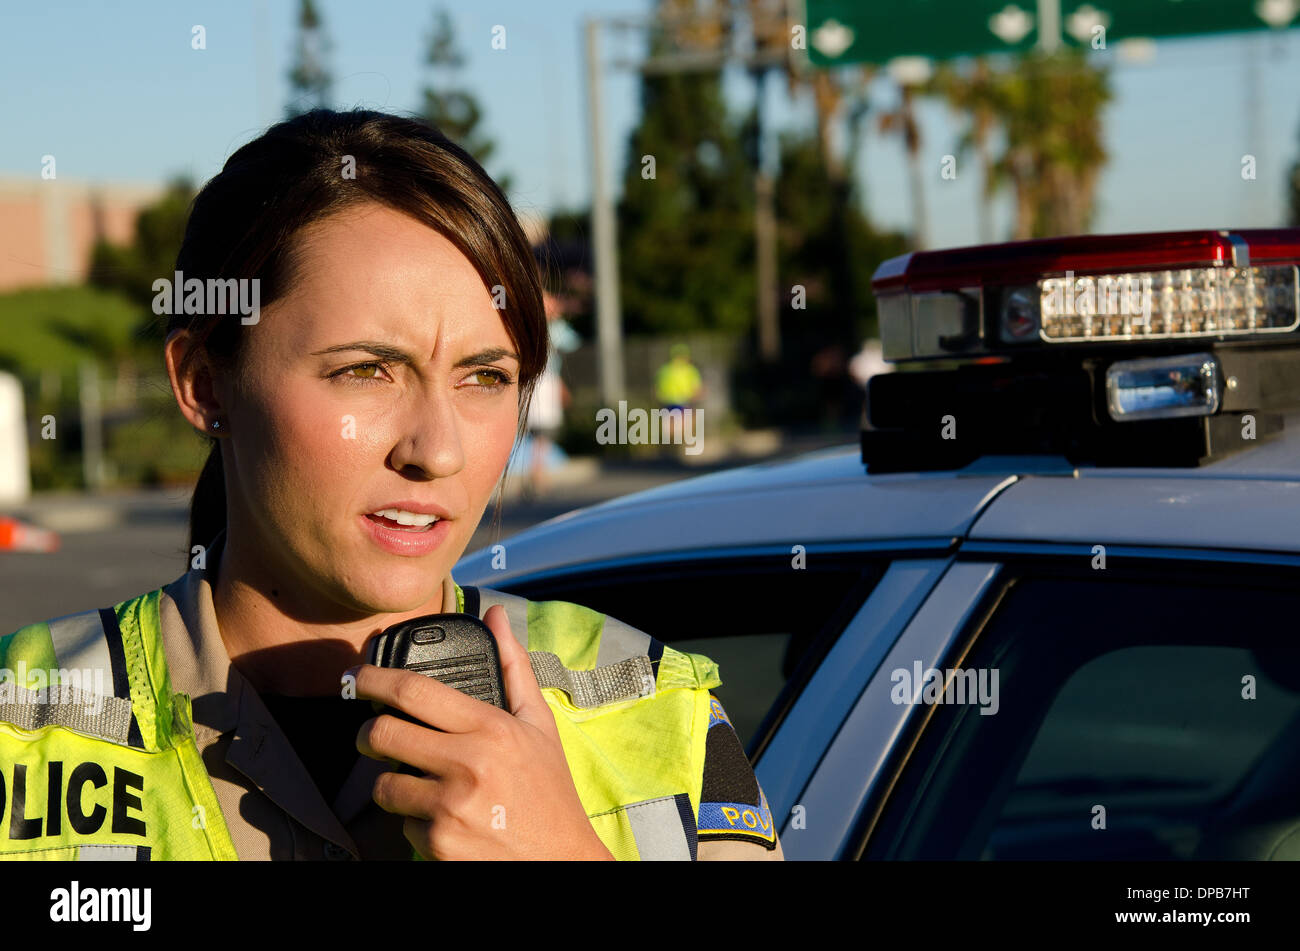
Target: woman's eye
485,379
495,379
361,371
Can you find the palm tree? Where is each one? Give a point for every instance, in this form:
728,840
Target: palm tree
975,94
902,121
1048,109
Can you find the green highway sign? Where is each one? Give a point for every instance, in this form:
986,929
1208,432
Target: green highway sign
876,31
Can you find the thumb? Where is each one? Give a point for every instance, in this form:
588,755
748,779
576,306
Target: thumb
523,697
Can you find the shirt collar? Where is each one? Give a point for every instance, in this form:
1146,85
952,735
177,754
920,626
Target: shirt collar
196,655
223,700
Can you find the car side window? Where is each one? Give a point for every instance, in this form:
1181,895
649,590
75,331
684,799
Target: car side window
1154,719
765,622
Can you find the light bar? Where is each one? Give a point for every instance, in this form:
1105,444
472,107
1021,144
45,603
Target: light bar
1150,305
1092,291
1106,350
1164,388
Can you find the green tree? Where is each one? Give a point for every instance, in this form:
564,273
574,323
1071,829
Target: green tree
310,76
1048,109
159,230
825,313
447,103
976,94
806,206
686,239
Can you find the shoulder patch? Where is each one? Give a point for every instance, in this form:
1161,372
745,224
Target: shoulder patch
732,806
717,714
737,820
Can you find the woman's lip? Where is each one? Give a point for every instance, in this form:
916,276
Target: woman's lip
400,541
410,505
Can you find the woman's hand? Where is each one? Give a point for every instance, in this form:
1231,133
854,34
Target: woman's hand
496,784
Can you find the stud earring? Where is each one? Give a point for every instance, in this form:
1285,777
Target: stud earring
216,424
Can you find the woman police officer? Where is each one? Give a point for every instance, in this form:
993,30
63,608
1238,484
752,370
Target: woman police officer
361,419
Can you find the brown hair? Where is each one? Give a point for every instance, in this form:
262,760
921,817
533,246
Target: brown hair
244,221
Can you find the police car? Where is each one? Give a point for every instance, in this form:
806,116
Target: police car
1049,607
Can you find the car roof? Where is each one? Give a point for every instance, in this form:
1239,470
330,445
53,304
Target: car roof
1249,501
821,498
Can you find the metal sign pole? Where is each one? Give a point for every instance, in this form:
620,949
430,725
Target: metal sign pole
1049,25
609,329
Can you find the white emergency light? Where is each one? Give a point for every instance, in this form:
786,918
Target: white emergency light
1164,387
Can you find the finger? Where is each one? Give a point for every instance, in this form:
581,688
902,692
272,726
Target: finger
523,697
422,697
391,738
403,795
419,832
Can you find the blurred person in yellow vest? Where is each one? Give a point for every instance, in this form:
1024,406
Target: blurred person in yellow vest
678,386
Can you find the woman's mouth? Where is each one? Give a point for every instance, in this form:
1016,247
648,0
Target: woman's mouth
403,521
400,532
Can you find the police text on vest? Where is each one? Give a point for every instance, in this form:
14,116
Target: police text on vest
79,800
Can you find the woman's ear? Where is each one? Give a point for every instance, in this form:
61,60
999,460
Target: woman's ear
190,370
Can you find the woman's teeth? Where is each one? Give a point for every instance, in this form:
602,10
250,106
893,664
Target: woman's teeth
411,519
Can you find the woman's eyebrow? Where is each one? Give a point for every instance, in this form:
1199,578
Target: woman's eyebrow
486,356
382,350
394,355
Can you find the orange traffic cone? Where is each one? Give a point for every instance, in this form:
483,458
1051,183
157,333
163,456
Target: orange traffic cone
19,536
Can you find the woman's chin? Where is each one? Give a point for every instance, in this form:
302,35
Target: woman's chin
394,593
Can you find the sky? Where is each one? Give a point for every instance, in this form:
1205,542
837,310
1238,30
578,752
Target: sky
116,93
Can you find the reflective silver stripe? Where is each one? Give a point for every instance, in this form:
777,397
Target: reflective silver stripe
94,714
623,670
627,680
107,853
657,828
81,648
80,643
619,641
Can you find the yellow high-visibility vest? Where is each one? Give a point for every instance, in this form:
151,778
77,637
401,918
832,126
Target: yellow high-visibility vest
107,766
677,383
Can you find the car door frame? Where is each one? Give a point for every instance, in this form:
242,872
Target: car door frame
874,736
1007,559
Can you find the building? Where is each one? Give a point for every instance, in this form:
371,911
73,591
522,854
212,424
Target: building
48,227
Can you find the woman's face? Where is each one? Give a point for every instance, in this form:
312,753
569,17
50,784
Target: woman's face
383,380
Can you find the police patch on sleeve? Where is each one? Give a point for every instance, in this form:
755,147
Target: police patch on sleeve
716,713
732,806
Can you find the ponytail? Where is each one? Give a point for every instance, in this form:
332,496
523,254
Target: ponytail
208,504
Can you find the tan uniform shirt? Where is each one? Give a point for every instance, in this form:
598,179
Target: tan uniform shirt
269,801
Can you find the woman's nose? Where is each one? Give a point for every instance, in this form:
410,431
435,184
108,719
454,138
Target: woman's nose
428,438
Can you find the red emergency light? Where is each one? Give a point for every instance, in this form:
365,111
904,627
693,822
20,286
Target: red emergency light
1165,287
